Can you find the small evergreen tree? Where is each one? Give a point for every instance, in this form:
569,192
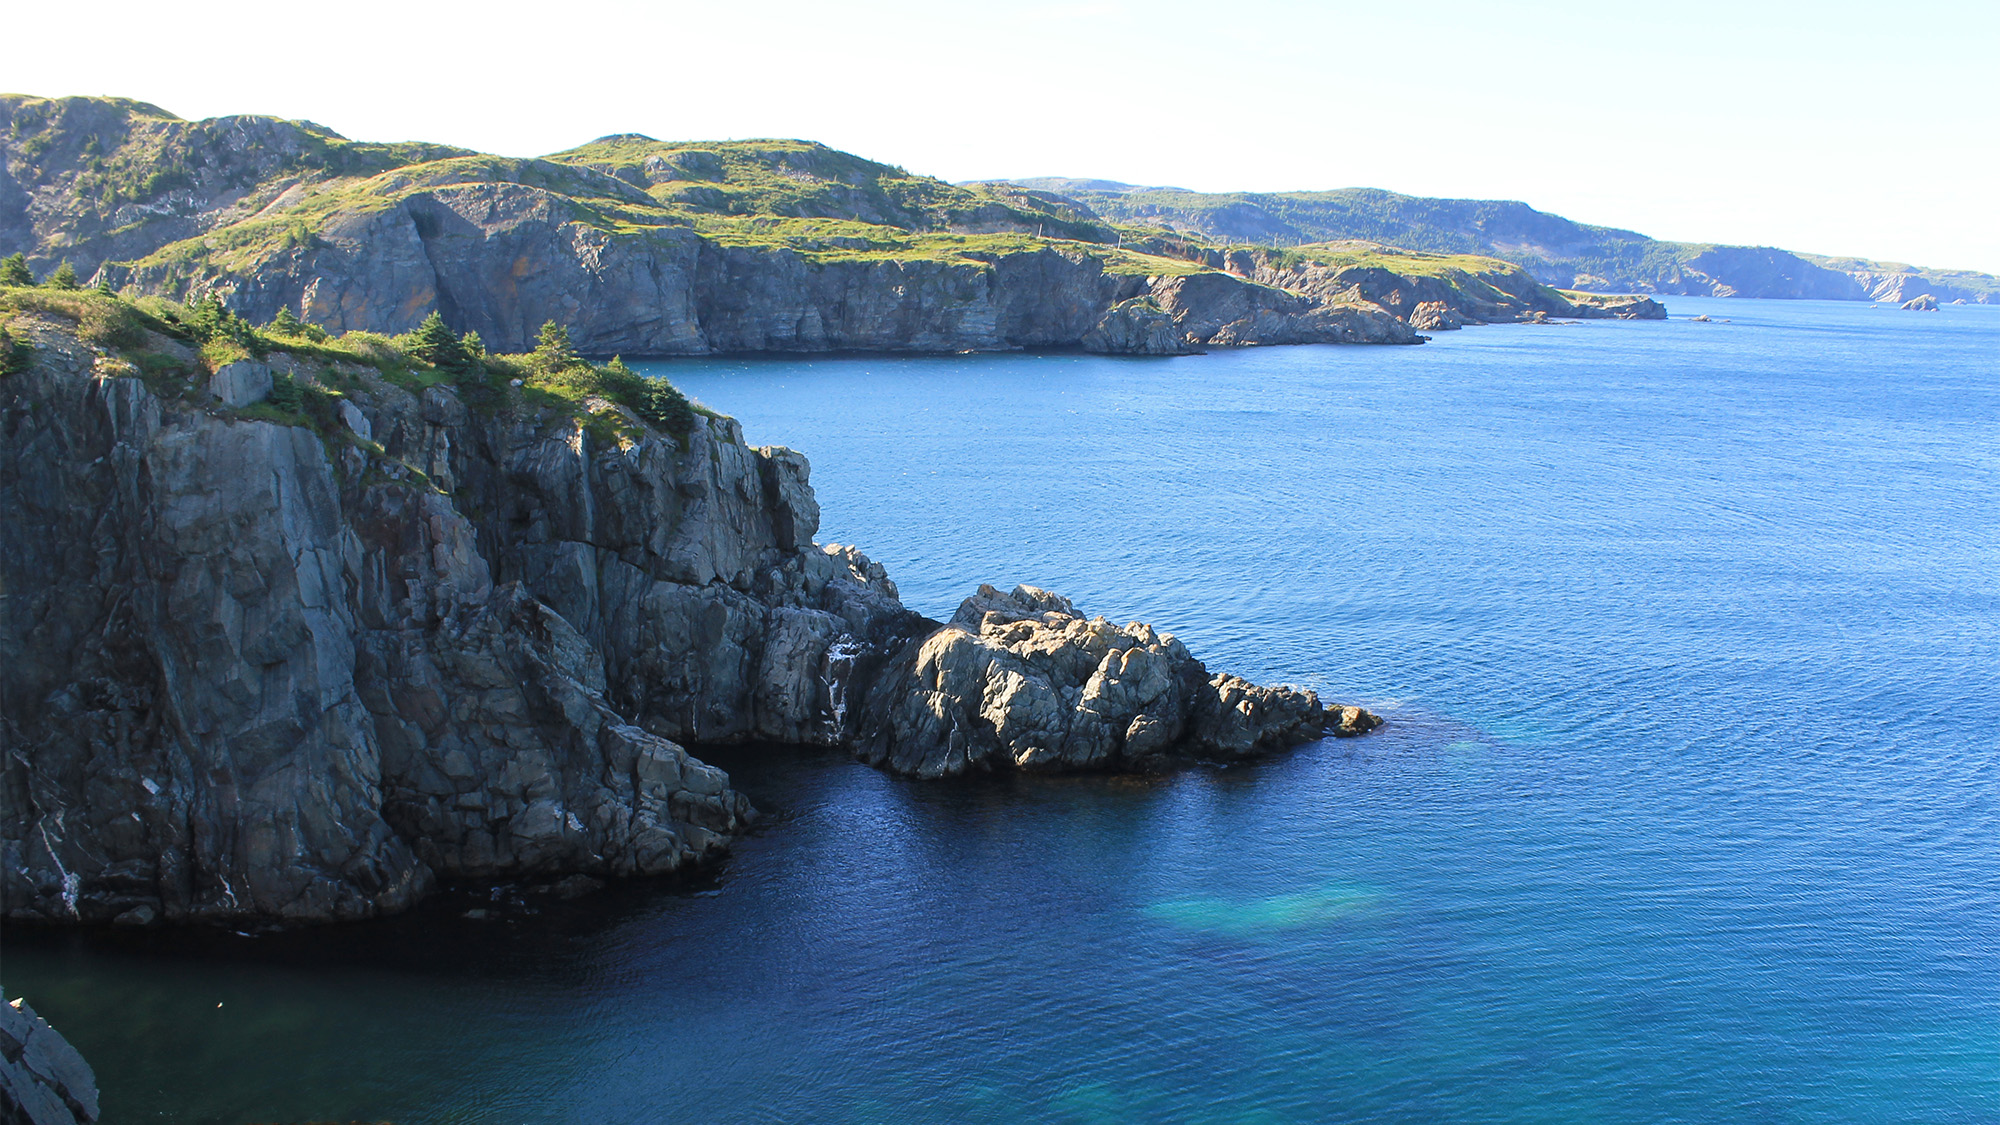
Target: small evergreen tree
286,323
473,345
286,394
63,278
553,351
436,344
14,270
104,288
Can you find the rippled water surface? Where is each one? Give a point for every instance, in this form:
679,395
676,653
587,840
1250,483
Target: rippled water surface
1688,809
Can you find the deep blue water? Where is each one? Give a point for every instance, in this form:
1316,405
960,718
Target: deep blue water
1688,809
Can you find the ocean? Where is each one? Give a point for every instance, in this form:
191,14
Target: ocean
1687,808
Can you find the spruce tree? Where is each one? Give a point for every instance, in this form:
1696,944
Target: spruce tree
104,288
14,270
436,344
286,323
554,352
63,278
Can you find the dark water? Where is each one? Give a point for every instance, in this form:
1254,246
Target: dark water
1689,807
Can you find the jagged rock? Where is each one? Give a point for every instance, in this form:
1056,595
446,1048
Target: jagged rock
1435,316
43,1080
1023,681
1924,303
1138,326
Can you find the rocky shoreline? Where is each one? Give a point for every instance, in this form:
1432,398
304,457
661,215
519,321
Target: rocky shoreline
255,673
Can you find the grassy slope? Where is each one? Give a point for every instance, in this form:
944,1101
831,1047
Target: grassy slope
161,342
1552,246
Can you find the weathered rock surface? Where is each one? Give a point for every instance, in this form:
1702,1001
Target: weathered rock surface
250,672
1023,681
1138,326
1924,303
247,680
43,1080
1220,309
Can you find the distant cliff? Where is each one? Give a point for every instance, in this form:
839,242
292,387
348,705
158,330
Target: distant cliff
295,629
640,247
1557,251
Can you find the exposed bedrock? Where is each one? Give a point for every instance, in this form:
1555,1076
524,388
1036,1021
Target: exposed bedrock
43,1080
1023,681
501,258
253,672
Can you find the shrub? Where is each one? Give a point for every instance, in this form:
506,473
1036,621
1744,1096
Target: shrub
286,323
13,353
63,278
14,270
655,400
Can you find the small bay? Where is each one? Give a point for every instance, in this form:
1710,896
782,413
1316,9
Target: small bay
1688,808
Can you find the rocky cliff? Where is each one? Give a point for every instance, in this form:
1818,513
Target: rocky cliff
1430,292
262,665
640,247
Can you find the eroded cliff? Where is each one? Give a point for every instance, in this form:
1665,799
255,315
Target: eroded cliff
265,666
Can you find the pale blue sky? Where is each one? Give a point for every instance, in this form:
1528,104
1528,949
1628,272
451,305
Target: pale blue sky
1867,129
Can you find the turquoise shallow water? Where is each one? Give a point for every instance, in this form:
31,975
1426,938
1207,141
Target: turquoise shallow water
1688,809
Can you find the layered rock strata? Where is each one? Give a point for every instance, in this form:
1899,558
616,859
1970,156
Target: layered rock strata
251,671
43,1080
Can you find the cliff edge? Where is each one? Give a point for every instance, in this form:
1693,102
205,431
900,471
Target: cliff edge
293,633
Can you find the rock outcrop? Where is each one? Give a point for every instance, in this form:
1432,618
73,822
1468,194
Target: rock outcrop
1023,681
43,1080
1137,326
255,671
1924,303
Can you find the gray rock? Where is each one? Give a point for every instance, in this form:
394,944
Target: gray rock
1023,681
241,686
43,1080
1138,326
241,384
1924,303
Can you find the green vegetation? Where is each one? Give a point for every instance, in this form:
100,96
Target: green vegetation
14,270
63,278
802,179
14,354
174,348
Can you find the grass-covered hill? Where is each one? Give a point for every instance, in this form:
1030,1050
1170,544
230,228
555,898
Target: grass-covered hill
1556,250
639,246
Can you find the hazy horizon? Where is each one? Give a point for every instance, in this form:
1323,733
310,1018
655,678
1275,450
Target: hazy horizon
1820,128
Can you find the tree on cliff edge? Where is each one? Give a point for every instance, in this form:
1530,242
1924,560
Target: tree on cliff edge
553,351
436,344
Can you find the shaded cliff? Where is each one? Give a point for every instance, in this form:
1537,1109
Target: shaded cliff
294,634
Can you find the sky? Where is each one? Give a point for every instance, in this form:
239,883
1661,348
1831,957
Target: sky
1830,127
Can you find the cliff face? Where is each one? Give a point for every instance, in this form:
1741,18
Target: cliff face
252,671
